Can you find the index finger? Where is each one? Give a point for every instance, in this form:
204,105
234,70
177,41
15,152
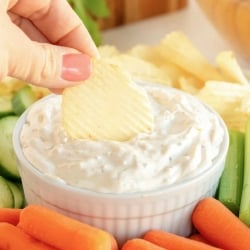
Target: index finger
57,21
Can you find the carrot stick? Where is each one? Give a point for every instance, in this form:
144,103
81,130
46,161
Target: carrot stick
14,238
175,242
199,238
63,232
140,244
220,226
10,215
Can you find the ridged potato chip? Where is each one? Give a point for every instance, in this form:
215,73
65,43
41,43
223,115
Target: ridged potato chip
107,106
147,53
230,100
108,51
178,49
141,70
230,68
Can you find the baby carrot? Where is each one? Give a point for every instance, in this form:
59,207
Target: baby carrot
140,244
10,215
63,232
175,242
14,238
220,226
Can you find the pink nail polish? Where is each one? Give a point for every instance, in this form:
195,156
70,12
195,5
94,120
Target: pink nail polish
76,67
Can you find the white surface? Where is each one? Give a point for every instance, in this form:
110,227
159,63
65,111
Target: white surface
189,20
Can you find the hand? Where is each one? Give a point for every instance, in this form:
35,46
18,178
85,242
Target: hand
44,43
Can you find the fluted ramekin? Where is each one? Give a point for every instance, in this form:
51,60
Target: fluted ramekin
124,215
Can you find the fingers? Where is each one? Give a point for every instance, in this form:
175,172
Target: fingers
57,22
42,64
28,27
50,66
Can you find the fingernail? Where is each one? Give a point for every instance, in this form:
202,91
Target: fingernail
76,67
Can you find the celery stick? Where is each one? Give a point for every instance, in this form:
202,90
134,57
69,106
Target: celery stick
230,187
245,198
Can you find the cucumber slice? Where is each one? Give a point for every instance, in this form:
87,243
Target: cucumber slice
6,105
8,162
6,197
18,194
23,99
244,214
230,187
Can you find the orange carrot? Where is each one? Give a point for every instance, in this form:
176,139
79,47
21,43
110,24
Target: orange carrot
63,232
220,226
140,244
199,237
175,242
10,215
14,238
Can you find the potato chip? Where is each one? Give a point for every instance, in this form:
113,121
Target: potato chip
178,77
244,106
230,100
178,49
229,90
152,55
141,70
223,96
230,69
147,53
107,106
236,120
190,85
107,51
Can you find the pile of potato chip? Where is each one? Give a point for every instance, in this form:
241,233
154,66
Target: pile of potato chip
176,62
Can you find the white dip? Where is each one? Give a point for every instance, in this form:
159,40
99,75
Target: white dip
186,139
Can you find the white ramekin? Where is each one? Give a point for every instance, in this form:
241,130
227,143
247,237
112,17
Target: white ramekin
124,215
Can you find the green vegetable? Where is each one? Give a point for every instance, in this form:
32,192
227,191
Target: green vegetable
5,105
97,8
8,163
18,194
230,187
244,214
89,11
23,99
6,197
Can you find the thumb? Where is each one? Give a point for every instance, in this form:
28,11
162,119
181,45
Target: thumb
47,65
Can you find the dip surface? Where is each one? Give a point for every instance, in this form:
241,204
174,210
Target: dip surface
186,139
